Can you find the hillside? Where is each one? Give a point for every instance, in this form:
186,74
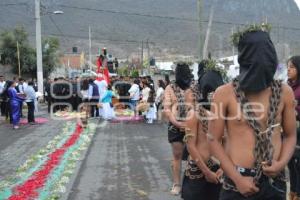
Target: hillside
121,25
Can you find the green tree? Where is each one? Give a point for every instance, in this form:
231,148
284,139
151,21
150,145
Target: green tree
8,45
50,55
135,74
8,49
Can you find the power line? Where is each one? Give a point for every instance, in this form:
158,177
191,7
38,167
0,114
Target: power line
166,17
14,4
129,13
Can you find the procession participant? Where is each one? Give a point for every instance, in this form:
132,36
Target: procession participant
202,175
14,101
258,115
294,164
174,98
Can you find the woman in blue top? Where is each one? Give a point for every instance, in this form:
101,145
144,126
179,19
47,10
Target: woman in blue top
108,110
15,101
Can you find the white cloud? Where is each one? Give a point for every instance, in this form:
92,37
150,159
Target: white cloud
298,3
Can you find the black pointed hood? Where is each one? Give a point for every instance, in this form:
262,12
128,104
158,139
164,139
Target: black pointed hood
258,61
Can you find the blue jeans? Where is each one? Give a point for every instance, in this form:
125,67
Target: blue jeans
133,103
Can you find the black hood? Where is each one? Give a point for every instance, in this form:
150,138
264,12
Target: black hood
183,76
258,61
209,82
201,68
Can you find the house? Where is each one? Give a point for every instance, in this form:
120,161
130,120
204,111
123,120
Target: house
72,64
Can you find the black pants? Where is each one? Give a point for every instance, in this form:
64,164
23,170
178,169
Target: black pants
267,191
30,116
2,107
94,108
199,189
21,109
8,113
294,168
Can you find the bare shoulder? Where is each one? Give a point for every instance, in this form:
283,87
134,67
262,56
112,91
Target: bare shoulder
224,92
189,96
169,88
287,92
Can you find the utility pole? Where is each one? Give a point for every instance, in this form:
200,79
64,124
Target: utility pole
39,56
200,42
233,52
211,16
148,47
90,48
142,57
19,64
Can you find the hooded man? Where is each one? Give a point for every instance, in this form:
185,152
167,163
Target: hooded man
175,112
258,115
202,175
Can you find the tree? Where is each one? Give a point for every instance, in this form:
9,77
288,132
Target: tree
8,46
9,40
50,55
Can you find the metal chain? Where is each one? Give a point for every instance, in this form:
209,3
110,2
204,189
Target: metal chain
264,148
180,100
200,109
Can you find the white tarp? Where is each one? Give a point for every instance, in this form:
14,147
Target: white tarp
167,66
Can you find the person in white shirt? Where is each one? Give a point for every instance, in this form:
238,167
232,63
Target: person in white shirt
134,92
145,91
21,87
102,87
2,100
159,97
30,100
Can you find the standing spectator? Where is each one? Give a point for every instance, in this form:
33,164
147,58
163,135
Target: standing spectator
159,97
122,88
93,95
145,91
134,92
116,62
54,92
30,100
20,89
151,113
48,94
2,99
294,164
14,101
167,80
160,93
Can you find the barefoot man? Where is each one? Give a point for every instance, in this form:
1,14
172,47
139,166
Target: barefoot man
175,113
202,175
258,114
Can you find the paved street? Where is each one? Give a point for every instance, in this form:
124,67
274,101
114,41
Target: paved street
123,160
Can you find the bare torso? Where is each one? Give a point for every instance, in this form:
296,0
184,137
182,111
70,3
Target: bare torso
240,138
202,144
